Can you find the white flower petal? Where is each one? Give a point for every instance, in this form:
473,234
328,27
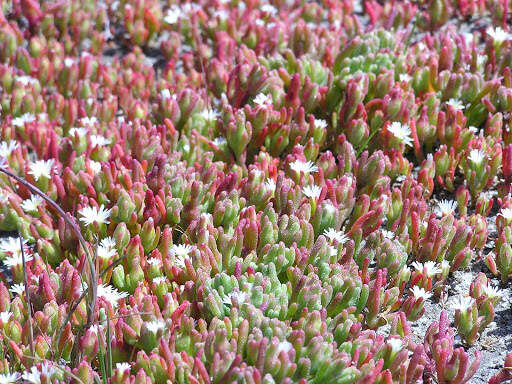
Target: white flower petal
94,214
312,191
476,156
402,132
446,207
305,167
334,235
420,293
110,294
41,168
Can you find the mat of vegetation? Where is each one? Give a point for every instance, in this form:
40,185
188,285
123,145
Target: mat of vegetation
255,191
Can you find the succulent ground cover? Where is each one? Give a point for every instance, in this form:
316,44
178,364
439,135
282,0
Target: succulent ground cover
255,191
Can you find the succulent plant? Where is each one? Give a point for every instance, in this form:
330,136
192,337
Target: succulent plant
249,191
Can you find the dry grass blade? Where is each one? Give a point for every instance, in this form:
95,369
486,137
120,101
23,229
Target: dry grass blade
92,283
29,304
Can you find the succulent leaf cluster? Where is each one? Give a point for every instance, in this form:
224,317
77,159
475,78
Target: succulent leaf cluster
257,183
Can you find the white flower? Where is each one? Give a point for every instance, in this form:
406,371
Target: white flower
268,8
107,248
261,99
506,213
446,207
404,77
218,141
221,14
190,7
123,367
165,94
121,119
420,293
24,119
155,326
284,346
9,378
329,207
430,268
17,289
159,280
154,262
41,168
417,266
497,34
173,14
182,250
463,303
98,140
333,234
108,242
257,173
473,129
402,132
476,156
4,318
491,292
388,234
80,131
239,296
468,37
110,294
95,166
88,120
270,184
94,214
421,46
319,123
209,114
26,80
481,59
6,148
48,369
11,245
301,166
395,344
30,205
180,253
455,104
68,61
312,191
34,375
333,251
17,259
